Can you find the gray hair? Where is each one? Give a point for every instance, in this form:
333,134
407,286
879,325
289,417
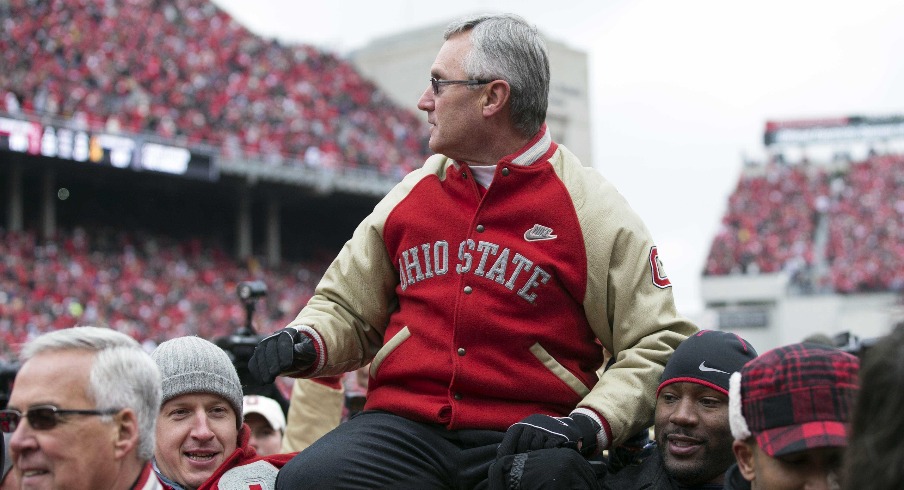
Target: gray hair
123,374
506,47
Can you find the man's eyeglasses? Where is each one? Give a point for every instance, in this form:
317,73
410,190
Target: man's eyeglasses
436,83
43,417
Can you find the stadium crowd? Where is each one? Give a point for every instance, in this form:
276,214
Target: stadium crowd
150,287
771,221
186,71
190,73
724,417
866,241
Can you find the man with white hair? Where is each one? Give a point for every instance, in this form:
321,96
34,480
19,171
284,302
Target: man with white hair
483,291
82,412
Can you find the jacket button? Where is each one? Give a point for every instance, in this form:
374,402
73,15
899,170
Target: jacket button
461,351
480,228
468,289
505,171
457,396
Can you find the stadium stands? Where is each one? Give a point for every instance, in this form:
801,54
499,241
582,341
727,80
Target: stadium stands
183,70
866,233
186,71
770,221
150,287
773,217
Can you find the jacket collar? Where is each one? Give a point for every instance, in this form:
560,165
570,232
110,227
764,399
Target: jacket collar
166,481
539,148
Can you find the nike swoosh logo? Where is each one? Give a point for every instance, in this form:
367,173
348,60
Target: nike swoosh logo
539,232
704,368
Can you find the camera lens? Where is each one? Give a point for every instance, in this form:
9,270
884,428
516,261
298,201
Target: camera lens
249,290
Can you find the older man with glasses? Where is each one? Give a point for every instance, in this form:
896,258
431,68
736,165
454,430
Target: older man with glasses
483,290
82,412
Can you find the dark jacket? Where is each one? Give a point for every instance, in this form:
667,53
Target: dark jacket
649,475
734,480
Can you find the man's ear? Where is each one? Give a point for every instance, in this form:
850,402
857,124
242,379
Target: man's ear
496,96
743,452
126,432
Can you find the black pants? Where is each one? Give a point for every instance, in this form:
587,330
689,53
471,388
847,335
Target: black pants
381,450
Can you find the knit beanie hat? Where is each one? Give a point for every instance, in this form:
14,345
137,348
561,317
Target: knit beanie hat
708,357
194,365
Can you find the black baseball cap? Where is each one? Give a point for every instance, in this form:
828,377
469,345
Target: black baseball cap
708,357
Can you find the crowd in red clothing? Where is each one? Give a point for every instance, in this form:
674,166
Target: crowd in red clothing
186,71
151,287
866,232
770,224
770,221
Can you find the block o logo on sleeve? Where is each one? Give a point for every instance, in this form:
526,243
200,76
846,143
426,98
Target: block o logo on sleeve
660,280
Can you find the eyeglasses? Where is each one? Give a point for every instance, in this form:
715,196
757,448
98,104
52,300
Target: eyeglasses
436,83
43,417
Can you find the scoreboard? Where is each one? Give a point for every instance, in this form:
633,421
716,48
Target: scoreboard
833,130
84,146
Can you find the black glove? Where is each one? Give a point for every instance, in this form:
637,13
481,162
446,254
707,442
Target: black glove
631,452
286,352
544,432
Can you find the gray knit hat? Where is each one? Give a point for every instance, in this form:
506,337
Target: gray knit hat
194,365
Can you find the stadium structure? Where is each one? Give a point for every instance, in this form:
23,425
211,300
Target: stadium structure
156,155
812,241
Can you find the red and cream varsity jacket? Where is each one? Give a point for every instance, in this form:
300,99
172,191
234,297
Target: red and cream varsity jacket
477,309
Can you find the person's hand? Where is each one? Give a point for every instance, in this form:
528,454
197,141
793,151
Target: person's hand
283,353
544,432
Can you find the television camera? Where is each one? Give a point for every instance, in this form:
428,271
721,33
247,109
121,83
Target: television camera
241,344
7,376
